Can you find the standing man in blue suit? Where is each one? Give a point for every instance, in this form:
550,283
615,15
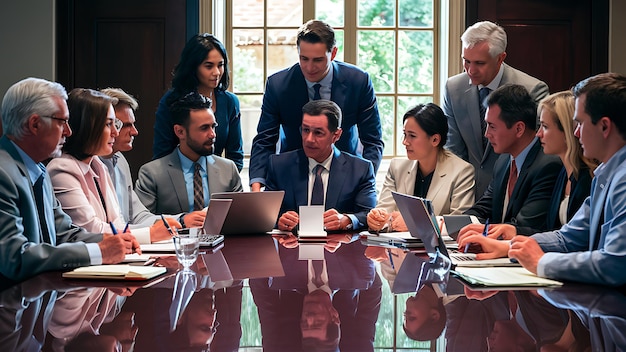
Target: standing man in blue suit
484,51
349,186
316,76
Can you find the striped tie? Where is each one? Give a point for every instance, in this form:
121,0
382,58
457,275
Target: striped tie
198,191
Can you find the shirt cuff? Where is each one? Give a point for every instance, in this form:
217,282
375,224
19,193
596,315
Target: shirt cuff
260,180
142,235
95,255
355,222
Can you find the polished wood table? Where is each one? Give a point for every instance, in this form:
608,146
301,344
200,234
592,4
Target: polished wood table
284,295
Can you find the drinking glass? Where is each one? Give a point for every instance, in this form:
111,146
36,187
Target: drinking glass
186,244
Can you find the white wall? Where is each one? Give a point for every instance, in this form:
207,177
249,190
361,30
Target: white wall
26,41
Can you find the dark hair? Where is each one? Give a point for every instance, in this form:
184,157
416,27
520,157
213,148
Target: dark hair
88,115
431,329
331,344
315,31
324,107
195,51
191,101
515,104
605,96
431,119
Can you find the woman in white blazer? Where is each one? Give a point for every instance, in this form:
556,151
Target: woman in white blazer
429,171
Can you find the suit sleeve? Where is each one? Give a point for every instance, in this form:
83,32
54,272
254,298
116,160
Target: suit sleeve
369,126
365,199
164,138
264,143
146,188
234,142
385,200
455,142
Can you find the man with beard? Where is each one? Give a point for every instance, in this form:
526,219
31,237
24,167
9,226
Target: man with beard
183,180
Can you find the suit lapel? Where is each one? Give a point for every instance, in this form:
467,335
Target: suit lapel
408,183
48,210
336,178
600,189
175,174
300,174
471,123
530,159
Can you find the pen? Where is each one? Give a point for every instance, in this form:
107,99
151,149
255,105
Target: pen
113,229
169,229
391,259
485,231
126,227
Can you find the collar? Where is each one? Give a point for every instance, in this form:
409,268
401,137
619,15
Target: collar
326,163
34,169
495,82
327,81
187,164
521,158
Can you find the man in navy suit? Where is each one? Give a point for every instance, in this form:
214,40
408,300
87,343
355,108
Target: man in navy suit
316,76
348,181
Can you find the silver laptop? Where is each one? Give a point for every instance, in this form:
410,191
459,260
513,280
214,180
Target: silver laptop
419,218
251,212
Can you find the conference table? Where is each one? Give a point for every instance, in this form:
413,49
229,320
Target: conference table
275,293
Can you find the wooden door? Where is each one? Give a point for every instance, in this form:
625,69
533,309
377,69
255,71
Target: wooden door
128,44
558,41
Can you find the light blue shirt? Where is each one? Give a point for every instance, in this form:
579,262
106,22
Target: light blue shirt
188,169
34,171
521,157
326,85
577,251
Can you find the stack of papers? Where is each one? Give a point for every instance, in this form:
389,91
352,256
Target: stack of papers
115,272
499,277
398,239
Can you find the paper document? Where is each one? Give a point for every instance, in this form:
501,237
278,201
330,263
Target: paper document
503,277
115,272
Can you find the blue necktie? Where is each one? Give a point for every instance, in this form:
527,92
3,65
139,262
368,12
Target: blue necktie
316,94
482,95
41,209
317,194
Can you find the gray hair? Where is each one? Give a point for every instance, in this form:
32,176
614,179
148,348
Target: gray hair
28,97
479,32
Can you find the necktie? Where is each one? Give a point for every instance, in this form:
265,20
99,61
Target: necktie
198,190
316,94
318,268
41,208
512,178
317,194
482,95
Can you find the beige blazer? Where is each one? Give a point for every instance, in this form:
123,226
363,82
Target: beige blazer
451,189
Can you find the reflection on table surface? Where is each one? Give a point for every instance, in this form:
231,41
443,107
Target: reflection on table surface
284,295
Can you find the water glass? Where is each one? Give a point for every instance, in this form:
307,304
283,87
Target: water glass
186,244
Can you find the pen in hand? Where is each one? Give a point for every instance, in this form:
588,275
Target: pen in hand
485,232
167,226
126,227
113,229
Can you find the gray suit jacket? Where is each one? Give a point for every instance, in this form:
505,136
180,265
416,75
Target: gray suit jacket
460,104
131,207
451,189
161,183
23,252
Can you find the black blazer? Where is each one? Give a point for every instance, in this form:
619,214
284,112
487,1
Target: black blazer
580,190
531,196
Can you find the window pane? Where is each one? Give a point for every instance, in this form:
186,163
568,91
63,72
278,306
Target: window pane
247,58
282,13
281,51
416,13
250,106
386,111
415,62
376,55
340,42
376,13
330,11
404,104
248,13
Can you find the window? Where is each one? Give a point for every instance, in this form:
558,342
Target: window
395,41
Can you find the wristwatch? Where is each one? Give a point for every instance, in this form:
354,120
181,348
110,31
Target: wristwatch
181,220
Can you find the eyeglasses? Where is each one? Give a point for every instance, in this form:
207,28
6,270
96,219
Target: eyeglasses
64,121
118,124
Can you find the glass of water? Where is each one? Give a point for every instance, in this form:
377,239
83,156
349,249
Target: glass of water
186,243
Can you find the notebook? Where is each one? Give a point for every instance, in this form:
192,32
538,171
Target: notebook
115,272
420,220
251,212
